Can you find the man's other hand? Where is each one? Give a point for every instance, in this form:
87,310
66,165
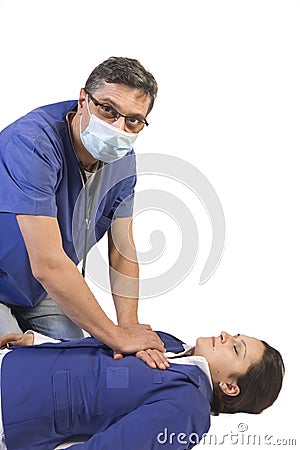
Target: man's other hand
153,358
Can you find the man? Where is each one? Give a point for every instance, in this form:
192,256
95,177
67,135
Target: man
50,160
76,387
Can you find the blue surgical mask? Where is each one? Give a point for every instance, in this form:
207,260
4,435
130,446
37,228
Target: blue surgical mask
104,141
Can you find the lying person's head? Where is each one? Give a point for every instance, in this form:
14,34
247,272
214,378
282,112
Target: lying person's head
247,373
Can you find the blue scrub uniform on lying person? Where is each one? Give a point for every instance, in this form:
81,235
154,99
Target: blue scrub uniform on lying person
40,175
54,391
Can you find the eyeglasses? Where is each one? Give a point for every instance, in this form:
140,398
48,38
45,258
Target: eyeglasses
132,124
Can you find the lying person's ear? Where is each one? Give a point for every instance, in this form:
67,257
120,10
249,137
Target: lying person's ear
230,389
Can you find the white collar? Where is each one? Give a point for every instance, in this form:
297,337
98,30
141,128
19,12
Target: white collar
200,361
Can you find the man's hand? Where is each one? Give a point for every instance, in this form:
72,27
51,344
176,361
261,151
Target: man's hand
10,339
136,337
153,358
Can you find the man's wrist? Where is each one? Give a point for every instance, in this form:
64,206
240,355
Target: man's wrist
128,321
118,339
113,336
127,316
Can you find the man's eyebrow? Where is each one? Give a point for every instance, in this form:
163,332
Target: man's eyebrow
108,100
117,107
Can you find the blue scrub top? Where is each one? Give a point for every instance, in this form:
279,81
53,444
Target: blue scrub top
39,174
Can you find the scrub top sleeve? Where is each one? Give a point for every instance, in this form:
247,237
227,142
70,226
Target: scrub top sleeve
29,171
123,206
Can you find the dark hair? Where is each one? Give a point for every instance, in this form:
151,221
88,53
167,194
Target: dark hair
259,386
123,71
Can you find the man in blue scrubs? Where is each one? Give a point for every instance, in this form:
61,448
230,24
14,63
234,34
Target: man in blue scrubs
67,174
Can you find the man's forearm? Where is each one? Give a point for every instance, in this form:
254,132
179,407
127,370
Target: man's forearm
60,277
126,309
65,285
124,279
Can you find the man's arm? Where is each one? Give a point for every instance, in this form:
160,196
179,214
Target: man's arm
123,270
61,279
124,279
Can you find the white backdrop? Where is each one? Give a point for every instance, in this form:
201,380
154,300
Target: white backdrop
228,103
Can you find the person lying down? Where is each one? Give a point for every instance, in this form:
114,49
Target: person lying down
56,390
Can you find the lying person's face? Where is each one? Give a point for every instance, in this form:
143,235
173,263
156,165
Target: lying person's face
229,356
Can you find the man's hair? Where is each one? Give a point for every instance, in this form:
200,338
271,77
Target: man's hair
259,386
123,71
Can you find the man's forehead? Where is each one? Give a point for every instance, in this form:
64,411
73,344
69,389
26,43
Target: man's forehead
119,89
121,95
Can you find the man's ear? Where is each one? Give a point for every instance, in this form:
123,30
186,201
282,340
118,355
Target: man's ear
81,100
231,389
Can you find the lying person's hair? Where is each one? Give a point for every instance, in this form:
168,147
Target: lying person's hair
259,386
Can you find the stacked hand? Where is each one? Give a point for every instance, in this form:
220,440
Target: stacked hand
153,358
145,344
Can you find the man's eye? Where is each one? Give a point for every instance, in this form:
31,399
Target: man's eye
107,108
132,120
236,349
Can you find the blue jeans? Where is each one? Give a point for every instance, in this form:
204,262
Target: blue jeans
46,318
